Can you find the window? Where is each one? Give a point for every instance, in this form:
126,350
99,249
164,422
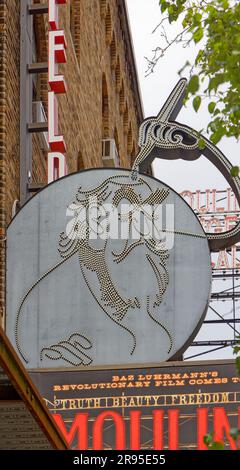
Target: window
75,19
105,109
108,26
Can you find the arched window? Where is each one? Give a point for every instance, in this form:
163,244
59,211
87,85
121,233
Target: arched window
118,75
125,120
41,33
75,25
103,8
117,146
108,26
129,140
80,162
113,52
105,108
122,99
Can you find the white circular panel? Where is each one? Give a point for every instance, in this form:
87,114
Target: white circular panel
137,296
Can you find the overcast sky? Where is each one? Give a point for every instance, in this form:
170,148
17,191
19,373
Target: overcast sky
180,175
144,16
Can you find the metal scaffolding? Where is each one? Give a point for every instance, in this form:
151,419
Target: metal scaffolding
221,327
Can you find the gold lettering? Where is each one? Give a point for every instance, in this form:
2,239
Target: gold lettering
206,398
97,402
131,402
174,399
148,400
215,398
176,376
225,397
124,401
116,402
199,399
182,400
180,383
155,399
138,384
87,387
122,385
191,399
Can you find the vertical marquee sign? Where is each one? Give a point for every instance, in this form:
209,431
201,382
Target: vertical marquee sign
56,55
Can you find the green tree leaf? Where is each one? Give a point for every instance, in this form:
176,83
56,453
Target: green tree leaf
235,171
197,103
211,107
193,85
238,364
208,438
164,6
217,446
198,35
216,136
201,144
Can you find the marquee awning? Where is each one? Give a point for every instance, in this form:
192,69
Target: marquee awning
25,422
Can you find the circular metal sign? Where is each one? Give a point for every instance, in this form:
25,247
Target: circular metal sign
103,269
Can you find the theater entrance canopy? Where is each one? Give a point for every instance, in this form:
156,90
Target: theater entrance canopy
25,423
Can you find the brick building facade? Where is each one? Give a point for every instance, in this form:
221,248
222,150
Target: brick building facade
102,102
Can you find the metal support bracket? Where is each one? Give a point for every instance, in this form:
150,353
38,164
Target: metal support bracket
27,70
37,8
